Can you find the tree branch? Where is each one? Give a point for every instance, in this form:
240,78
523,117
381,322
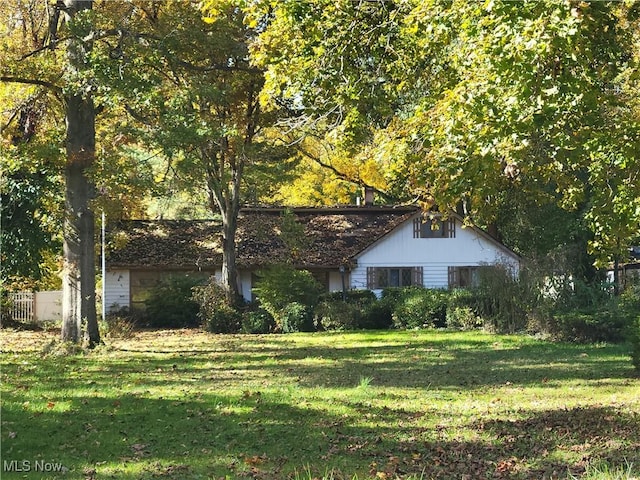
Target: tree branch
341,175
30,81
48,46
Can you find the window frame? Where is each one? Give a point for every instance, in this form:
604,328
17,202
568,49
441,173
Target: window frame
423,227
464,276
381,277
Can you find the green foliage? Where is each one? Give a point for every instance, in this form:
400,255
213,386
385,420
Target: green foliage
359,310
503,300
634,339
170,304
6,307
594,325
280,287
338,315
417,307
257,321
214,312
629,305
295,317
27,209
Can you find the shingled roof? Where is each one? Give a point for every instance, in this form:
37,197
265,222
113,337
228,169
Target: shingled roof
331,237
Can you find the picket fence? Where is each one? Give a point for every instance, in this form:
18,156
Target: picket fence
28,307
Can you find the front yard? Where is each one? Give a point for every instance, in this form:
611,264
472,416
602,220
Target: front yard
395,404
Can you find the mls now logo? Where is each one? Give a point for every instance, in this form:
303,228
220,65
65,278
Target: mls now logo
29,466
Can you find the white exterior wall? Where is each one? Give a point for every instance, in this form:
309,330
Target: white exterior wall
335,281
244,283
117,290
48,306
435,255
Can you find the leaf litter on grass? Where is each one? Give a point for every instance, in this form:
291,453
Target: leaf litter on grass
459,406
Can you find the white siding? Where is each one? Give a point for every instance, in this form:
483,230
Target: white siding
48,306
117,288
400,249
335,281
244,284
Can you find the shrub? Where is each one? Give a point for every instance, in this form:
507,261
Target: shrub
214,313
629,304
634,339
593,325
462,309
419,307
503,300
170,303
295,317
257,321
360,309
378,315
6,307
337,315
463,318
280,287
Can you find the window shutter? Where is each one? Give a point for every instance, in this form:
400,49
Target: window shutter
371,278
452,277
417,227
451,228
418,276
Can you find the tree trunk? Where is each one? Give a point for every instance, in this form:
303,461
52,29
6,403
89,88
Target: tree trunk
229,270
79,317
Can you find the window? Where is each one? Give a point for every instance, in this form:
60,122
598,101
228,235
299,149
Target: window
434,228
464,277
383,277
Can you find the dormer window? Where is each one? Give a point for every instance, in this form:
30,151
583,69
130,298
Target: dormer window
434,228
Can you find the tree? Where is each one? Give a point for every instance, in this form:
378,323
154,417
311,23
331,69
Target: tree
330,64
475,100
36,59
199,102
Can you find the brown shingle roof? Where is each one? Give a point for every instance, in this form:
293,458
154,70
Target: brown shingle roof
331,237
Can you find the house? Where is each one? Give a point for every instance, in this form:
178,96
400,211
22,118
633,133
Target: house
628,269
370,247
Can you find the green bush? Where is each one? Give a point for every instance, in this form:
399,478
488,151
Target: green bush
6,307
629,304
170,303
634,339
594,325
377,315
296,317
417,307
257,321
503,300
337,315
214,313
361,309
462,309
280,287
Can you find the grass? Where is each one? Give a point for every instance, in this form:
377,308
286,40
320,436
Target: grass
416,405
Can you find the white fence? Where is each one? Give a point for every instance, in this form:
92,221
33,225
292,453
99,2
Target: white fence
36,307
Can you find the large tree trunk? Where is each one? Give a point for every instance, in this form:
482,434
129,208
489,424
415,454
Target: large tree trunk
79,297
229,270
78,283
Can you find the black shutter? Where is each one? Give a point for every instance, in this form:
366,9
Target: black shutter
371,278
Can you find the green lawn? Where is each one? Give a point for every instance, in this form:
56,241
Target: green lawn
190,405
